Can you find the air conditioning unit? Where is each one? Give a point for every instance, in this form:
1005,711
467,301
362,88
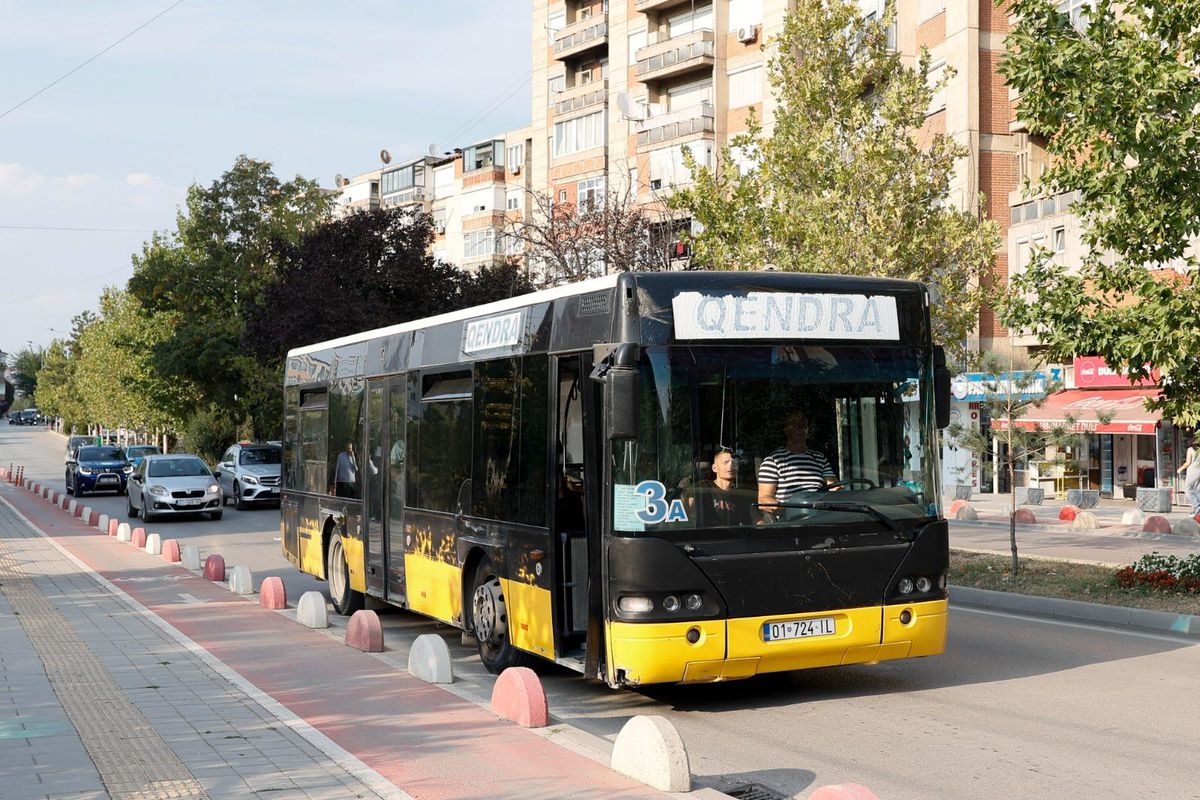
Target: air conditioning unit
747,33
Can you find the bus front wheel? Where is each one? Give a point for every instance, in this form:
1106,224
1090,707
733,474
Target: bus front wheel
489,623
345,600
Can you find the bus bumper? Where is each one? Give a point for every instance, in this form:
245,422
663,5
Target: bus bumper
733,649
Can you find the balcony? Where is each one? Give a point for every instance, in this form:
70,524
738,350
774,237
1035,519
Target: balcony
580,97
676,56
656,130
657,5
580,37
413,195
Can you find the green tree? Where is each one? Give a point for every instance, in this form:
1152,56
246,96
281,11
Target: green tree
57,392
24,370
1114,95
840,184
199,282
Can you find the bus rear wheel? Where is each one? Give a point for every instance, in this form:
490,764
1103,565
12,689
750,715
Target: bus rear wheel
345,600
489,623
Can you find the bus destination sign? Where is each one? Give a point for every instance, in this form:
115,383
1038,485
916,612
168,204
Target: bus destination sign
493,333
785,315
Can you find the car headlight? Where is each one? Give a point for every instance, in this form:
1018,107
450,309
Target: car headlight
127,469
249,479
213,488
158,491
84,471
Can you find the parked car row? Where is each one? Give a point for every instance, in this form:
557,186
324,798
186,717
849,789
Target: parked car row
28,416
157,484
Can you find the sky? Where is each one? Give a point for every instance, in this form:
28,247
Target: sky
316,88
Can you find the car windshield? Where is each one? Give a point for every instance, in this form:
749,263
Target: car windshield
101,454
177,468
141,450
718,423
261,455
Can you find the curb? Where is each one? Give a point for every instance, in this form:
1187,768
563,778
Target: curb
1140,619
1116,529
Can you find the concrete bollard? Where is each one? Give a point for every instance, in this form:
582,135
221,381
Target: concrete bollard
214,567
137,538
45,492
272,594
54,498
518,696
843,791
650,750
429,659
64,502
365,632
73,508
153,543
102,523
1186,527
124,534
311,611
1156,524
1068,513
114,528
241,581
1025,517
1085,520
170,550
952,513
966,513
92,518
1134,516
190,555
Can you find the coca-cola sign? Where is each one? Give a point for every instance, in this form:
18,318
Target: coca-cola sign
1093,372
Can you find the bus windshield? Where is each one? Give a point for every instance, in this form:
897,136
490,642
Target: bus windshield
769,437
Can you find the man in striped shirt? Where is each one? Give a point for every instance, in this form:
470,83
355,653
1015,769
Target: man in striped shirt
794,468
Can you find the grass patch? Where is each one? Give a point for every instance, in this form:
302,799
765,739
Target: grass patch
1044,577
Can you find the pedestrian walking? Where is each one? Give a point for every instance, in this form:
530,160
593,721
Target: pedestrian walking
1190,469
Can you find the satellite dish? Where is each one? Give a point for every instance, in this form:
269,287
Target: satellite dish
433,149
385,156
630,108
338,180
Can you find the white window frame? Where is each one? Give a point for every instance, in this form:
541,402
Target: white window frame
580,133
751,85
514,156
937,100
928,9
744,13
512,199
589,189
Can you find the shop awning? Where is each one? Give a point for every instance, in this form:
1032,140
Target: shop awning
1126,407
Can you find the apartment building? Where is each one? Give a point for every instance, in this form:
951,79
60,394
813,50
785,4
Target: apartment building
358,192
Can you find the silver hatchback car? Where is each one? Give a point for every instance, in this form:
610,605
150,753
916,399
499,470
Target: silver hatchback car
250,473
165,485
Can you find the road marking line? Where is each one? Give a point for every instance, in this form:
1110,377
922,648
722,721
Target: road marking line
187,598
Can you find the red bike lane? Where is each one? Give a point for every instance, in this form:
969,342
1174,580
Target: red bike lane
424,740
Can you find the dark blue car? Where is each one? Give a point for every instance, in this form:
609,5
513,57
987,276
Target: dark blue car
97,469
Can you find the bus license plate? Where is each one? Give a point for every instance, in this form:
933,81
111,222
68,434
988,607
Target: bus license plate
798,629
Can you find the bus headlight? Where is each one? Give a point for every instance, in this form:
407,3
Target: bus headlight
635,605
671,604
924,584
905,586
692,602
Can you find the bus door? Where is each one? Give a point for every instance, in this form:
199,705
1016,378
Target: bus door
575,500
397,405
375,492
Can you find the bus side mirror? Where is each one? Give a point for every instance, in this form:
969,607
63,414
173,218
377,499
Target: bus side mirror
622,383
941,387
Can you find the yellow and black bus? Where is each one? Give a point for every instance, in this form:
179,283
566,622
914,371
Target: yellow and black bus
578,474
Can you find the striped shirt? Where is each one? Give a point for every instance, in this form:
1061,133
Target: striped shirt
795,472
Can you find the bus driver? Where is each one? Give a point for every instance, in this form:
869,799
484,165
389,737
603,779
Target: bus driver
793,468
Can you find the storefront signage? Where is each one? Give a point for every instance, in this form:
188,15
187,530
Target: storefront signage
784,315
494,332
1093,372
974,387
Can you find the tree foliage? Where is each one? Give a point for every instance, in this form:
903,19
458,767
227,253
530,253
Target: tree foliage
1116,99
568,242
24,370
841,184
370,269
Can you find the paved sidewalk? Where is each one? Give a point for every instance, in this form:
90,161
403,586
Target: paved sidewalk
96,701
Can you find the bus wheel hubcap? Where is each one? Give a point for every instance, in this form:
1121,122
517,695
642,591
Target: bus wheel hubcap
335,569
489,614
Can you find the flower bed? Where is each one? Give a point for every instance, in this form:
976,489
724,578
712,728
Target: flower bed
1164,572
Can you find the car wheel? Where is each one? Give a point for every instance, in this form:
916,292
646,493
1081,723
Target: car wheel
239,503
215,515
489,623
129,509
345,600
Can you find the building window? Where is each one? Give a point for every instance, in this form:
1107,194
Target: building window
590,194
928,9
407,177
637,40
556,84
746,87
580,133
667,166
937,101
478,244
744,13
690,21
516,157
1074,10
483,156
690,94
556,22
1059,238
512,200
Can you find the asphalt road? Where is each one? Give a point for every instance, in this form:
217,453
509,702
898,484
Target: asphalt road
1016,708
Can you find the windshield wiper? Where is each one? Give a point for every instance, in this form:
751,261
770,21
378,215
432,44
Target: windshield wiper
838,505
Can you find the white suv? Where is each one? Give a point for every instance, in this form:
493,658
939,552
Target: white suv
250,473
